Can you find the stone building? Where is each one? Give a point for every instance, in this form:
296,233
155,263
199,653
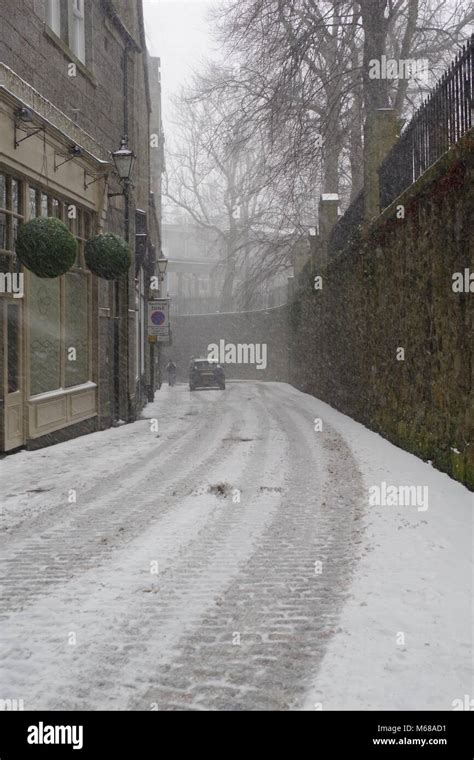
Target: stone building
74,83
196,273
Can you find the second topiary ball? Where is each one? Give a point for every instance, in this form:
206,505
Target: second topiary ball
108,256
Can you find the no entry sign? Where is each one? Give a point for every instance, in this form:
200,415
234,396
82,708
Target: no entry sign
158,319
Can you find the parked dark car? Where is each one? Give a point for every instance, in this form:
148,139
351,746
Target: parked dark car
205,374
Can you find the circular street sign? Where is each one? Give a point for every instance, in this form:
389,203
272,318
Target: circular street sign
158,318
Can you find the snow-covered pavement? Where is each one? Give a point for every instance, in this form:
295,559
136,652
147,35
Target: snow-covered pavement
230,559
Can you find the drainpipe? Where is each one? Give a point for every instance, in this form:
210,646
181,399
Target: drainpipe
127,197
122,286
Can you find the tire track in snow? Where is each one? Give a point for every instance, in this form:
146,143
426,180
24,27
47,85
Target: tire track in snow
112,515
248,570
109,657
283,611
125,468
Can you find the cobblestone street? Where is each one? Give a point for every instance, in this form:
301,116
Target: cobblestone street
203,566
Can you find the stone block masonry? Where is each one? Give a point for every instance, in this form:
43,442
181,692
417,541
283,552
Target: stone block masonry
388,338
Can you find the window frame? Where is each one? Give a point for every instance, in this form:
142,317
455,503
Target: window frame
77,29
67,24
81,226
10,215
53,16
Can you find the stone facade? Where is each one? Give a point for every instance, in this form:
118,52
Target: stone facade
88,92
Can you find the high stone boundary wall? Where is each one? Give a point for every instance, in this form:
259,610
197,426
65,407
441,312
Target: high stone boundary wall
391,288
262,335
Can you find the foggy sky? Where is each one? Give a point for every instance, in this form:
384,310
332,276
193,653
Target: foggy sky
177,32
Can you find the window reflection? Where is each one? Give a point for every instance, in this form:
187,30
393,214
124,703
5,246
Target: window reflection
16,201
45,334
44,204
3,231
13,355
33,200
77,329
3,191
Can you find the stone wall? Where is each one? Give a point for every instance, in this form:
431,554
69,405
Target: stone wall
192,336
32,51
391,289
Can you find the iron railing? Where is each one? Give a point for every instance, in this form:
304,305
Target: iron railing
439,123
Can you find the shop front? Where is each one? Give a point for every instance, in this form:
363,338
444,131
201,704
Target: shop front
48,326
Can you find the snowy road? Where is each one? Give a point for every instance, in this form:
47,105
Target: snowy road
211,564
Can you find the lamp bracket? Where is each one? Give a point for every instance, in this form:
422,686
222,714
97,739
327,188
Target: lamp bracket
127,185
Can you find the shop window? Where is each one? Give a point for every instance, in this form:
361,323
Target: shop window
76,329
71,219
33,196
83,233
45,334
57,208
3,230
16,208
3,191
10,217
44,205
59,310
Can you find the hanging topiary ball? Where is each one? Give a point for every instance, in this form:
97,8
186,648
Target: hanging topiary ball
108,256
46,247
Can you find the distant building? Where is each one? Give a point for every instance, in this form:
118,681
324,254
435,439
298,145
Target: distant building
196,272
194,275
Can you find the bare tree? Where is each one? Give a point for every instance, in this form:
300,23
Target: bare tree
218,173
282,119
310,61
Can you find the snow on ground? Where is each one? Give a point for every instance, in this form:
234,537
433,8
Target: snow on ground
405,640
28,475
231,560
